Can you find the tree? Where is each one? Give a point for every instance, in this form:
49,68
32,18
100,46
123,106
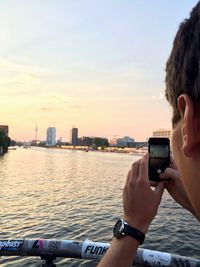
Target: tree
4,141
100,142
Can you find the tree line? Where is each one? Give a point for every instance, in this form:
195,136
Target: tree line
4,141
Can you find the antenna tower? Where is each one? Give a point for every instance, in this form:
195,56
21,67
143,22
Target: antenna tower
36,130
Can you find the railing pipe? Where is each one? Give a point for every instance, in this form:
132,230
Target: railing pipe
50,249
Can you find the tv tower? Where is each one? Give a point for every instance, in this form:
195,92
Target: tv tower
36,130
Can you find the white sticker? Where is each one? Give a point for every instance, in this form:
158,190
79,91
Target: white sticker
93,250
155,258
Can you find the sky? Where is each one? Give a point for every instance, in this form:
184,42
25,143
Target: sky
98,65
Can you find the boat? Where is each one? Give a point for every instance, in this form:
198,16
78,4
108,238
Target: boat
27,146
12,148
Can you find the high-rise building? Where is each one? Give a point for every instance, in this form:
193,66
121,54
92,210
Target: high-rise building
74,136
4,128
125,141
162,133
51,136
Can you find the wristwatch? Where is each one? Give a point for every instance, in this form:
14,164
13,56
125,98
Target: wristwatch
122,228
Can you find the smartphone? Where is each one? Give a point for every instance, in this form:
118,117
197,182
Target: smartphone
159,156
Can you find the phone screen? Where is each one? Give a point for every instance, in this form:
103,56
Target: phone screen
159,157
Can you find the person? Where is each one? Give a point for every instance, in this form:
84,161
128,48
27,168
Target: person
140,201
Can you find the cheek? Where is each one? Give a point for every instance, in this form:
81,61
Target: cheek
175,144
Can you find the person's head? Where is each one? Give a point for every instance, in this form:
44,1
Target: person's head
183,93
183,65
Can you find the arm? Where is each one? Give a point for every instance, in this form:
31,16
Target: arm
121,253
175,187
140,204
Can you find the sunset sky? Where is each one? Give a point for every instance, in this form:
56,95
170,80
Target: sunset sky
98,65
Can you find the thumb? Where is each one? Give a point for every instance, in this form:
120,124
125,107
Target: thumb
169,173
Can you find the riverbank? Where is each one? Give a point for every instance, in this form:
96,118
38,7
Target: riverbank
132,151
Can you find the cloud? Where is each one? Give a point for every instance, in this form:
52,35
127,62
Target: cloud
18,80
7,65
76,107
160,96
135,73
58,106
48,109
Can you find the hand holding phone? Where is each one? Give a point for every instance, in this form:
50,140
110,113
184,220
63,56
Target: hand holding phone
159,157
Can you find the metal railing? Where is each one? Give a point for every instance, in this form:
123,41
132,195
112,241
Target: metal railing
50,249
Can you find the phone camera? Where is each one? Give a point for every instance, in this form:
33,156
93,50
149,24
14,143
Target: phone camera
159,171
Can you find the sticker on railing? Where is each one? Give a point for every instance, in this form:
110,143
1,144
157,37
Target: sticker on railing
38,244
8,245
54,245
157,258
93,250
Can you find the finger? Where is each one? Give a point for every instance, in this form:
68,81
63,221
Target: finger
153,183
134,170
159,189
169,173
143,168
128,177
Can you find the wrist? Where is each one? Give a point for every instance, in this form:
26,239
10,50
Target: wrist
123,229
140,225
126,240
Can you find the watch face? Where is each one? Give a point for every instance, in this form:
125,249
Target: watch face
118,229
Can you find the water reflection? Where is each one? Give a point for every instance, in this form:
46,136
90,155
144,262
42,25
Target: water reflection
47,193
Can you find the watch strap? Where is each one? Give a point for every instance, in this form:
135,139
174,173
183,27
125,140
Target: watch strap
133,232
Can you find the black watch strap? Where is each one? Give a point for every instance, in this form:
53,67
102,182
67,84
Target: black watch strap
122,228
133,232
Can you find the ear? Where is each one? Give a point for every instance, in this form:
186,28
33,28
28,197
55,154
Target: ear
191,124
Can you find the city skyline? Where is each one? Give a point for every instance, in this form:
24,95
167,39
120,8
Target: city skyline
74,133
97,65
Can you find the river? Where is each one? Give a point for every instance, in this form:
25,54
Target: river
63,194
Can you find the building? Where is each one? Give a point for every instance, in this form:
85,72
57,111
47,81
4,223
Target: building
86,141
125,141
5,129
162,133
51,136
113,142
140,144
74,136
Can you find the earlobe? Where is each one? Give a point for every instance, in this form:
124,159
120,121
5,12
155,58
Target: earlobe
189,118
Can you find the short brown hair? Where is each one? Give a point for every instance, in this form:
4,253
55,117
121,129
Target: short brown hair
183,65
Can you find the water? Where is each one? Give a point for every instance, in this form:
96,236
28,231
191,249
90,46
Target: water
49,193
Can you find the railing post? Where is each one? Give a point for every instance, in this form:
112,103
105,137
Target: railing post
49,258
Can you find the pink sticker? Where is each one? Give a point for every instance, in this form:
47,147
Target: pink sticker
41,244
